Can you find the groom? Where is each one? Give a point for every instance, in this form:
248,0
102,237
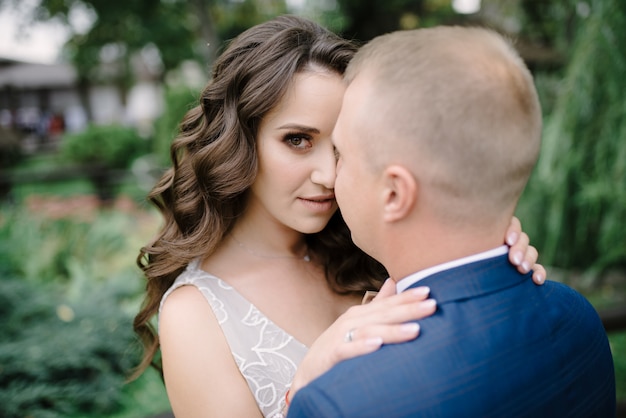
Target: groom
438,133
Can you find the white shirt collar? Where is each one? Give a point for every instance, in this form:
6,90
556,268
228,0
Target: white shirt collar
406,282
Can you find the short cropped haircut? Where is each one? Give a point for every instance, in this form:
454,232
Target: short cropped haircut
466,105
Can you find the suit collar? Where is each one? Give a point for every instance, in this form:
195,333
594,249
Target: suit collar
471,280
408,281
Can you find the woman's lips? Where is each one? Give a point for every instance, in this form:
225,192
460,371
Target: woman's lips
318,203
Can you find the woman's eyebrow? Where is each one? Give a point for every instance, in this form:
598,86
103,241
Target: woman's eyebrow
297,127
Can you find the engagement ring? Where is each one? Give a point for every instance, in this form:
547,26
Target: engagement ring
349,336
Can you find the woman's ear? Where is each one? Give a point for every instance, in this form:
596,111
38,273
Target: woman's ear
399,193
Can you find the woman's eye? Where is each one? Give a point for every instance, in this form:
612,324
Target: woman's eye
298,141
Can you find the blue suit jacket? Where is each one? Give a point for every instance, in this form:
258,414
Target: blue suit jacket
498,346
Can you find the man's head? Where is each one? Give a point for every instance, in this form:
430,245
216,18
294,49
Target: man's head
442,122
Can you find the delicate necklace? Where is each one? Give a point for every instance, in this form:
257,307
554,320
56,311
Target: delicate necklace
250,251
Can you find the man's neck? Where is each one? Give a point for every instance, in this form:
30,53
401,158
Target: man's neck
405,282
413,251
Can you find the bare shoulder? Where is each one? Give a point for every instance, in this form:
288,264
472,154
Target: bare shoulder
189,332
182,304
199,370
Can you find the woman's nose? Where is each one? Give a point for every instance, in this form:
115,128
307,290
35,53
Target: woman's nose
324,172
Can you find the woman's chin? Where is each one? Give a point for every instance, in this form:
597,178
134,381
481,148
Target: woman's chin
312,226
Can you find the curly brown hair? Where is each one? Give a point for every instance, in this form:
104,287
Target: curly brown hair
215,163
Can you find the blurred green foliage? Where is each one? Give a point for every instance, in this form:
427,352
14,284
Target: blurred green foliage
179,99
109,146
10,151
73,251
365,19
120,29
67,298
59,357
233,17
169,32
618,348
575,204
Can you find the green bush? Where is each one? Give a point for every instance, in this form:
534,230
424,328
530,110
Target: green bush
111,146
63,250
10,149
179,99
618,348
60,357
68,294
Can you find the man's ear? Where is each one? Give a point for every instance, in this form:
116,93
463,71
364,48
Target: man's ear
399,193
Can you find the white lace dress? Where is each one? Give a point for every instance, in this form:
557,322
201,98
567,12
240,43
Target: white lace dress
266,355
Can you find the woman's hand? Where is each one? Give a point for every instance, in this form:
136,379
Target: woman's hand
363,329
521,254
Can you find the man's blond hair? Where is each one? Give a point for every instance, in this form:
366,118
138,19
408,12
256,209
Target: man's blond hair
462,108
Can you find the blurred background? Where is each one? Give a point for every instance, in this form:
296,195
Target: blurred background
91,93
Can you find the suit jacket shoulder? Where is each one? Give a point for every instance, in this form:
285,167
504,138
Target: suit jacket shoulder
498,345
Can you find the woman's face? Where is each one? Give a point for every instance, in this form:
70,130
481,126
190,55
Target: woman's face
296,177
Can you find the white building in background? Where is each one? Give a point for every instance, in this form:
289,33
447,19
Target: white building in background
43,100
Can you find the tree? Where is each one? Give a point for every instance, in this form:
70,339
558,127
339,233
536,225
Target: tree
121,30
179,29
365,19
576,200
163,32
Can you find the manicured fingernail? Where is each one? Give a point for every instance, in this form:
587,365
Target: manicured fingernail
539,278
430,303
410,328
517,258
421,291
525,266
375,341
511,238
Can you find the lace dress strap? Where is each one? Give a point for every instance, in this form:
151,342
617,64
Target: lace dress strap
266,355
